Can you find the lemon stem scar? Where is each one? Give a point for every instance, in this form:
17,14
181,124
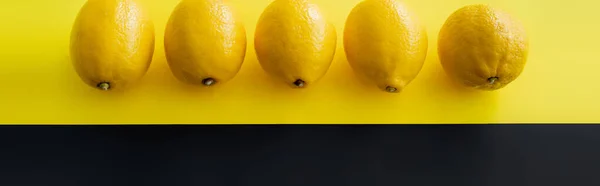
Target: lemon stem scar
299,83
209,81
391,89
492,80
104,86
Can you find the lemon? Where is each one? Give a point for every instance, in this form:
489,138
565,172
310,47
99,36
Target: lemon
482,47
205,43
294,42
385,44
112,43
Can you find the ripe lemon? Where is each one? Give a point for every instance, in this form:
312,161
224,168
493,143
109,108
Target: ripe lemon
205,43
482,47
112,43
385,44
294,42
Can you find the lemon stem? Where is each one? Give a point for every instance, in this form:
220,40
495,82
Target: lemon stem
299,83
492,80
209,81
104,86
391,89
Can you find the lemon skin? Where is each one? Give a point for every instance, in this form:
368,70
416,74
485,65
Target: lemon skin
385,44
112,43
205,42
482,47
294,42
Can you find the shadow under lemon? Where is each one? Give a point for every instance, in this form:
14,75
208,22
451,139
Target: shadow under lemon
430,98
269,98
452,102
359,101
81,103
74,87
164,82
156,98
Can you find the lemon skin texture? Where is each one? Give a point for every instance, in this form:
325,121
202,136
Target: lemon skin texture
385,44
112,43
205,42
482,47
294,42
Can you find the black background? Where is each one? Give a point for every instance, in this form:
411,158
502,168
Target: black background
502,155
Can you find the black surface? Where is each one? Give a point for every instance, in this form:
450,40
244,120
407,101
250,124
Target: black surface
300,155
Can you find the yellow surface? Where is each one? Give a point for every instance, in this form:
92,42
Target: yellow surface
561,82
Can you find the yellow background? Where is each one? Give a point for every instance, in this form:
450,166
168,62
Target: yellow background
561,82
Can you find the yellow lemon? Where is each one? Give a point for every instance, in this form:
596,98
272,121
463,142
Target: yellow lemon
385,44
294,42
205,43
112,43
482,47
